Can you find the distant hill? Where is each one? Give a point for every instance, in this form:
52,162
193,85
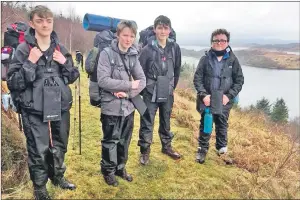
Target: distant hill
279,47
198,39
257,58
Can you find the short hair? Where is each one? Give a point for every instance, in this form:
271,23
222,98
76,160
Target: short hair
41,11
126,23
161,19
218,32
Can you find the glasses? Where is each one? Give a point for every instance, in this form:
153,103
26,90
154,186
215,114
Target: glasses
219,41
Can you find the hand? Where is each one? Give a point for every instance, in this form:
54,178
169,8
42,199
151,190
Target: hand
34,55
58,57
120,94
135,84
206,100
225,99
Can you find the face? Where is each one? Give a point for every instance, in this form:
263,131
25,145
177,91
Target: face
162,32
219,42
126,38
42,26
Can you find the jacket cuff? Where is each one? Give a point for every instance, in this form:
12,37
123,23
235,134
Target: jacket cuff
230,97
202,96
28,64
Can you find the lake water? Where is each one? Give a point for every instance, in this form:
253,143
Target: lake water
268,83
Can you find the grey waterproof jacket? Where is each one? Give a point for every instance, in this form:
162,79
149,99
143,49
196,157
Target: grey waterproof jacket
112,77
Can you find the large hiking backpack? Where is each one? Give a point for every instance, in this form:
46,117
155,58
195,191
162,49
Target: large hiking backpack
12,38
102,40
149,32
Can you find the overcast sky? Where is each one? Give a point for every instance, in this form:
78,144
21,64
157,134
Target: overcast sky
270,20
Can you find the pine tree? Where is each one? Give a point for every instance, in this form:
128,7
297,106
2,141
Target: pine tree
280,112
264,106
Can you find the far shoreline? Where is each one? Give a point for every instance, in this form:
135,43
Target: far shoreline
248,64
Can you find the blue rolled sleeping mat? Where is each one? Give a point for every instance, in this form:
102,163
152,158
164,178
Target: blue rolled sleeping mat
99,23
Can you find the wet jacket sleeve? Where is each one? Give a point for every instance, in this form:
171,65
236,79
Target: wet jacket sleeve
68,69
199,79
20,67
238,80
138,74
177,65
104,72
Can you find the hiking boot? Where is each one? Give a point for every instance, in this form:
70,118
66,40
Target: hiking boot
123,174
63,183
144,157
222,150
111,180
170,152
41,193
226,158
200,156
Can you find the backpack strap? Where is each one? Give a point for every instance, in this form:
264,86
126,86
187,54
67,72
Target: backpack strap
57,47
111,57
173,55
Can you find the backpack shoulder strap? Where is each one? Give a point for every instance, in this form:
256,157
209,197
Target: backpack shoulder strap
174,54
57,47
111,57
153,55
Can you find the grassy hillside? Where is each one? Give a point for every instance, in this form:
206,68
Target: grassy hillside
266,161
13,153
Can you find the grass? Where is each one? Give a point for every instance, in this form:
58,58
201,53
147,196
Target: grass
13,152
266,160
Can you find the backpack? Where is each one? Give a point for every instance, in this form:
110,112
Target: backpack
12,38
102,40
149,32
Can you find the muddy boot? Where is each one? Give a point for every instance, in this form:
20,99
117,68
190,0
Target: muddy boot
170,152
123,174
201,154
144,157
41,193
111,180
64,184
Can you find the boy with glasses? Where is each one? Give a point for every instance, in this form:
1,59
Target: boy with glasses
220,75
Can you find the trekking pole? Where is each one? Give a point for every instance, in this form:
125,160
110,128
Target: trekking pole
20,122
50,134
51,149
82,63
74,115
79,99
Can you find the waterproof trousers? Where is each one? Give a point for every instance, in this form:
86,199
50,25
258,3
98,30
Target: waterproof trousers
147,122
117,132
221,126
45,161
